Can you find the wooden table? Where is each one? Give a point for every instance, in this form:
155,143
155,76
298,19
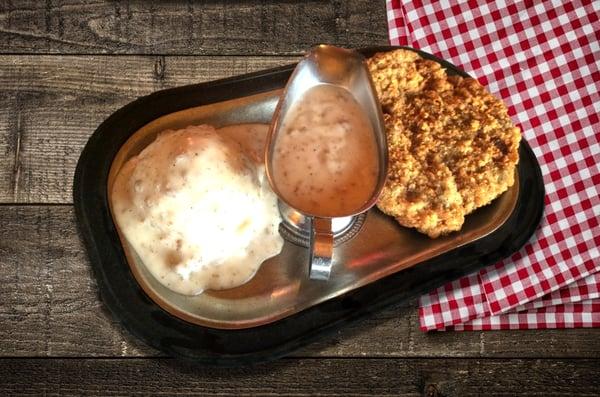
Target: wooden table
65,66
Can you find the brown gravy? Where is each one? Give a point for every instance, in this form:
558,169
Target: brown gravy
325,157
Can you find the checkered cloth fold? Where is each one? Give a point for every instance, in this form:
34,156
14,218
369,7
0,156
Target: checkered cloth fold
543,59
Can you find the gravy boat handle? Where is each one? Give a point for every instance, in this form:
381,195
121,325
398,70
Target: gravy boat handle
321,248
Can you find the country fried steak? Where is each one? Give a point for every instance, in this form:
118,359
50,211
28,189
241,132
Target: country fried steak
452,146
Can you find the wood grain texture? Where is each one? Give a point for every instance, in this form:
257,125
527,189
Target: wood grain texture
188,27
49,306
367,377
56,338
50,106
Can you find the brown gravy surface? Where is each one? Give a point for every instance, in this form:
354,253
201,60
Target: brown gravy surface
325,157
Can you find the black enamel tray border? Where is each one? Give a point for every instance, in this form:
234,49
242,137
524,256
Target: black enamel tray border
142,317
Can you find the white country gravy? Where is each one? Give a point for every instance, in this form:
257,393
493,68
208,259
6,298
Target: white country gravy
197,210
325,159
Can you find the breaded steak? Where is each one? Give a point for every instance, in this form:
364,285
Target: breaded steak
452,145
420,191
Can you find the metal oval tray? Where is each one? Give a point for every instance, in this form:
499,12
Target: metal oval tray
280,308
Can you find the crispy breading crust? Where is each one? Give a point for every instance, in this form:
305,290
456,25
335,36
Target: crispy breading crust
452,145
420,192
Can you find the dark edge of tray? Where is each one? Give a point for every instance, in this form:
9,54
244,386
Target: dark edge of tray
146,320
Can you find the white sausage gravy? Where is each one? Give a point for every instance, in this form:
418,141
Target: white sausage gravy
197,208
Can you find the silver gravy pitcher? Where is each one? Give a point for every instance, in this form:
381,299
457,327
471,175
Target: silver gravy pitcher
336,66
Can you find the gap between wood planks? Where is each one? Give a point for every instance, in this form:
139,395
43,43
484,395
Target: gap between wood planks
296,357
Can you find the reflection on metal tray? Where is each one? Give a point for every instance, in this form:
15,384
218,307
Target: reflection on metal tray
282,287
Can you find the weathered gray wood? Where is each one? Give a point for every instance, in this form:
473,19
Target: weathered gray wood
188,27
49,306
49,300
367,377
50,105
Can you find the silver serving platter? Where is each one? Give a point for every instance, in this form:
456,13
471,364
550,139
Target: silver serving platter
282,287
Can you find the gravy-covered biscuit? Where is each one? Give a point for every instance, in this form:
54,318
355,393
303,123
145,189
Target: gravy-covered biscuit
197,210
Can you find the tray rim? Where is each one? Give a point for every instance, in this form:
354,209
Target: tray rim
221,356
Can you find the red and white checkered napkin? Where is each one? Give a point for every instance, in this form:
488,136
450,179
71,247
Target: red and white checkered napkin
543,59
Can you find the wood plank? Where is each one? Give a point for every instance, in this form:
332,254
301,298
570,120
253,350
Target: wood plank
188,27
49,306
398,377
50,105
